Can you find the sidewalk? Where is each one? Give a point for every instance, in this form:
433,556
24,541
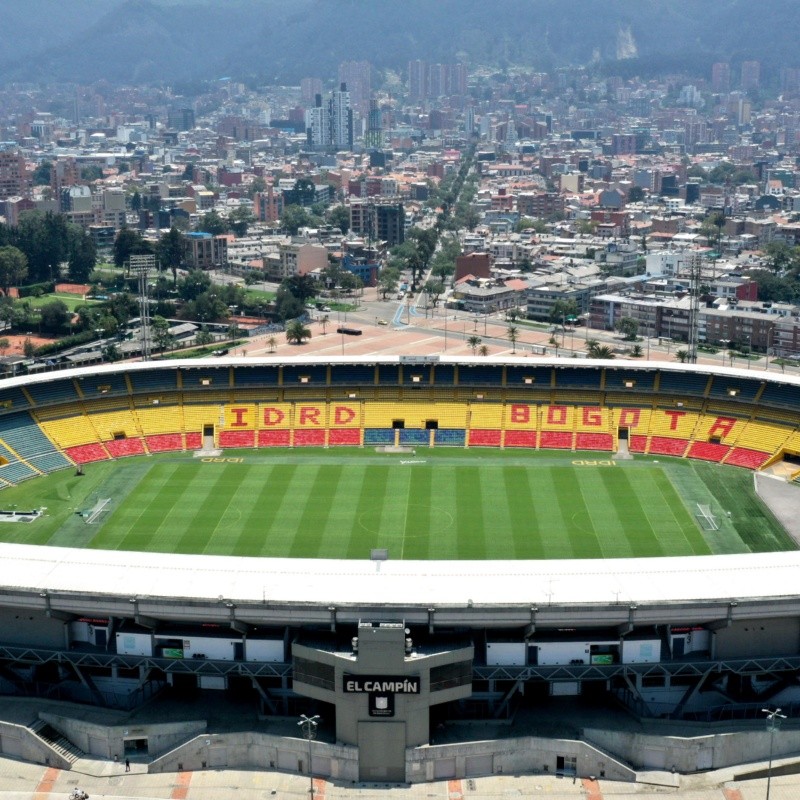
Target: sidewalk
106,780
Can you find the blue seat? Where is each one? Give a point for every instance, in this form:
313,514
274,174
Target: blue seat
378,436
414,436
453,437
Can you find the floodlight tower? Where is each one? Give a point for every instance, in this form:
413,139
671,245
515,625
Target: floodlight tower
141,265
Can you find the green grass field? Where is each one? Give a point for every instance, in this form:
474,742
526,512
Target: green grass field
444,504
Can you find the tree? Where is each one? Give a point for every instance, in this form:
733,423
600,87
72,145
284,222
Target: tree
213,223
42,173
111,353
136,201
483,350
293,218
635,194
602,351
161,335
303,287
28,348
193,285
54,315
296,332
82,255
434,289
204,336
91,173
513,334
562,310
272,343
303,193
387,281
287,306
240,220
473,343
129,242
629,328
171,251
4,345
682,356
339,217
13,267
636,351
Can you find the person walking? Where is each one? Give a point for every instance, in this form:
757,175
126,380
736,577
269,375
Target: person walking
127,765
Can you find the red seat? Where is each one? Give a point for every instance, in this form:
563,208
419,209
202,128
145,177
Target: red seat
163,442
742,457
485,438
708,451
555,440
664,446
274,438
520,439
237,438
125,447
309,437
86,453
594,441
344,436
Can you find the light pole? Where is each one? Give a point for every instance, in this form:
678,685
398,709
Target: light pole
773,723
310,728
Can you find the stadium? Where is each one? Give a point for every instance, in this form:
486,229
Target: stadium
399,544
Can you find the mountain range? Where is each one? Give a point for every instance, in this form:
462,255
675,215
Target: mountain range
163,41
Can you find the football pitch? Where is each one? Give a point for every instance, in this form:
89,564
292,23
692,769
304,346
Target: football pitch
443,504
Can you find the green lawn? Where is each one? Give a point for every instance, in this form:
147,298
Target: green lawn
444,504
71,301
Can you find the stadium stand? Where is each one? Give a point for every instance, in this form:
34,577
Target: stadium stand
237,439
751,459
25,437
53,392
163,442
117,448
721,418
707,451
87,453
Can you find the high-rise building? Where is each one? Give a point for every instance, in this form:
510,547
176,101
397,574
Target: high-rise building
417,80
329,126
341,116
358,77
181,119
374,135
14,178
721,77
437,80
309,89
751,75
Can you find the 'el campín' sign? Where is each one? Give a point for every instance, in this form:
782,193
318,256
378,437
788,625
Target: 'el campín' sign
381,684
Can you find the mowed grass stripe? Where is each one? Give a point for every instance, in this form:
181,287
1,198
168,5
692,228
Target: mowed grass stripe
580,530
682,537
390,520
469,542
552,522
210,505
420,517
316,506
286,523
598,491
263,536
525,531
498,529
623,494
368,510
343,514
252,533
251,483
135,524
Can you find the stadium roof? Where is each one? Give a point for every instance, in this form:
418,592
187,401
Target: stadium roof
410,583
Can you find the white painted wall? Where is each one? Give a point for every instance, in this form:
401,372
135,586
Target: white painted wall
506,654
134,644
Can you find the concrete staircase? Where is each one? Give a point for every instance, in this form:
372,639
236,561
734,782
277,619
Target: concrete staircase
52,737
